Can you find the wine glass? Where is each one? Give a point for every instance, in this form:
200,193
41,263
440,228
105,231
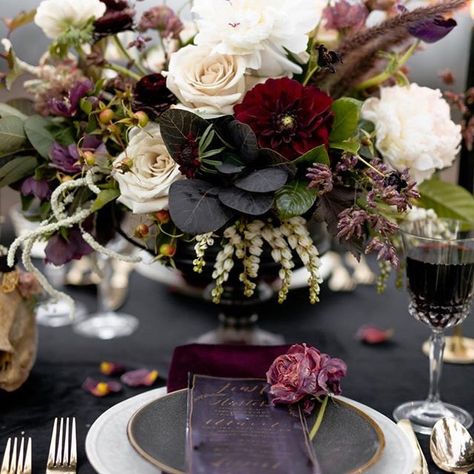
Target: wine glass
440,273
56,312
107,323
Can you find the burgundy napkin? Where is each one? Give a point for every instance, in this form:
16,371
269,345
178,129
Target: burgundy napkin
220,361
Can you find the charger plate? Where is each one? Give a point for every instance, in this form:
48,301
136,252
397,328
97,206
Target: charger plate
110,452
348,441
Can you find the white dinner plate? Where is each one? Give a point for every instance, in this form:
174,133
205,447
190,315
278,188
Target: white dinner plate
110,452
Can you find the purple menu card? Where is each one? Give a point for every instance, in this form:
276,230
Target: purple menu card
233,429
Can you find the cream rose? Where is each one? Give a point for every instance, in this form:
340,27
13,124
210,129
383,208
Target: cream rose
145,187
209,83
54,17
414,129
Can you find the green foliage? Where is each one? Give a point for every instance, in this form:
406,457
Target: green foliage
346,120
7,110
316,155
105,197
294,199
12,136
448,200
37,131
17,169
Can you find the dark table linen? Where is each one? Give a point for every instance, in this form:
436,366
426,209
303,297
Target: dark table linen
381,377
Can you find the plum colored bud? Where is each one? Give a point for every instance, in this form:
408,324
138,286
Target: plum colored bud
432,29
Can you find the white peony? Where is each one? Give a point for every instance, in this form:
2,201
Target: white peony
260,30
54,17
209,83
414,129
145,187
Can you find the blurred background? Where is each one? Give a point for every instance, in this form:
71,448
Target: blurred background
29,42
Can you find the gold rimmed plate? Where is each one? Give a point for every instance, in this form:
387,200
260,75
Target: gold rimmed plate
348,442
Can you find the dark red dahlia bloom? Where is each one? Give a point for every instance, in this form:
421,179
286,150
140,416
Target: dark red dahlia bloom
118,17
152,96
286,116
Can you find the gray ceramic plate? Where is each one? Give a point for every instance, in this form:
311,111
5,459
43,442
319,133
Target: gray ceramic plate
349,441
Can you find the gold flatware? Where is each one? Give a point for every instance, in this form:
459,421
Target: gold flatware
17,461
420,460
63,448
451,446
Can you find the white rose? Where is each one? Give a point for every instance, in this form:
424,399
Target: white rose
145,187
259,30
414,129
211,83
54,17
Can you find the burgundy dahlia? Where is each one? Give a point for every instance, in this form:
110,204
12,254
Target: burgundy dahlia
286,116
118,17
152,96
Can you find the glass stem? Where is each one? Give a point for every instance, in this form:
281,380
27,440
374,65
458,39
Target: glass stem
103,288
436,365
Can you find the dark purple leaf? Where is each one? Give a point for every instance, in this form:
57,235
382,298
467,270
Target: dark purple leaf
240,136
432,29
231,164
263,181
252,204
181,131
195,207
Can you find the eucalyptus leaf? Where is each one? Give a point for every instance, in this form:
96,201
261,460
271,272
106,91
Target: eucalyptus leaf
12,137
181,131
17,169
294,199
448,200
37,131
253,204
346,120
195,207
316,155
244,139
7,110
22,104
231,164
263,181
104,197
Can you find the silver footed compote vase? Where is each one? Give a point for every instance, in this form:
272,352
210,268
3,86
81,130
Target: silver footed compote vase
440,273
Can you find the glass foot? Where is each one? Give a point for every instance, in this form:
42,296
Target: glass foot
107,325
57,314
424,415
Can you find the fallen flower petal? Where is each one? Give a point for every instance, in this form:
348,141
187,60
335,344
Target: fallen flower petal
374,335
111,368
100,389
139,378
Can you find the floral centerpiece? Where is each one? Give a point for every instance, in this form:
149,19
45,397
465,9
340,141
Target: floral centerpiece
232,131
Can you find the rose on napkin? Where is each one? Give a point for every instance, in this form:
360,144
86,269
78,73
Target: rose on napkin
304,376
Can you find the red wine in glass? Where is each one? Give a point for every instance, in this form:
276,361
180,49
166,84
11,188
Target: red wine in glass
440,293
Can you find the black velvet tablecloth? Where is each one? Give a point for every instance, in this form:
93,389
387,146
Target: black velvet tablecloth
380,377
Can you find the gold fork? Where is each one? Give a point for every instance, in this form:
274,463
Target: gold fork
14,461
63,448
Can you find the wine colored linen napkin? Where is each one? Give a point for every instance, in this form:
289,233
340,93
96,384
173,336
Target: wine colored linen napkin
230,361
